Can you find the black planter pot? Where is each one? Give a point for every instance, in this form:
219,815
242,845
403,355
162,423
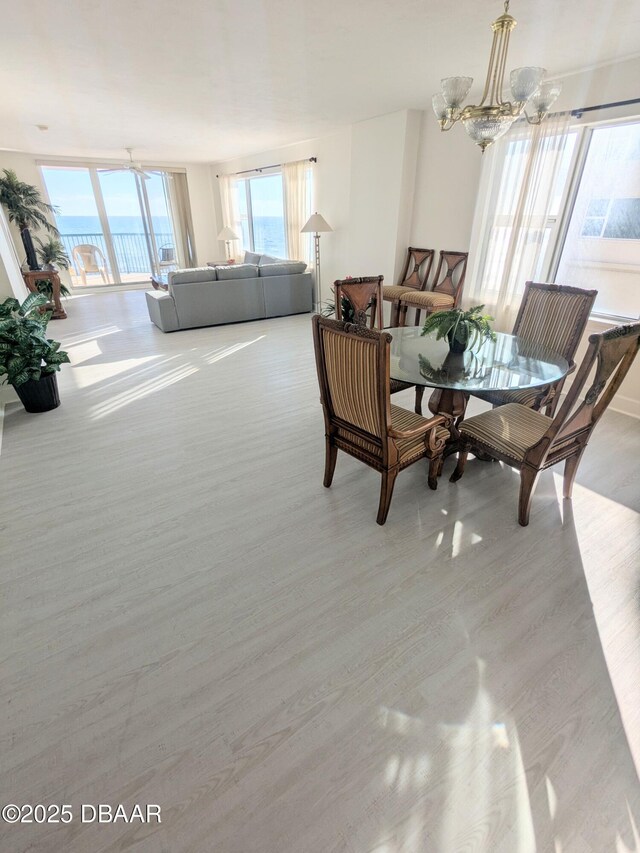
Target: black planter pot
456,345
39,395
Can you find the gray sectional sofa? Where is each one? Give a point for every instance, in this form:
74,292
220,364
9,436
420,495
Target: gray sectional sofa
231,293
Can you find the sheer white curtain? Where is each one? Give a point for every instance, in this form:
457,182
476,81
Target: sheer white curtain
297,182
178,192
520,186
230,213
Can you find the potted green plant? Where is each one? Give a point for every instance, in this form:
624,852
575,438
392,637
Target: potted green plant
28,359
463,329
52,255
25,207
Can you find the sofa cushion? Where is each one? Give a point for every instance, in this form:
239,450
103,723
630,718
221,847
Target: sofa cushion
237,271
251,258
283,268
269,259
194,274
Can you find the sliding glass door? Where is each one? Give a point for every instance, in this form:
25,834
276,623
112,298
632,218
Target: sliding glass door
115,224
78,219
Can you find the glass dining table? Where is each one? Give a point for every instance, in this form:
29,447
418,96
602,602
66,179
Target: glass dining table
506,364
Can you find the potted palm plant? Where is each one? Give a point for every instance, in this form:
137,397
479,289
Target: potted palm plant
28,359
463,329
52,255
25,207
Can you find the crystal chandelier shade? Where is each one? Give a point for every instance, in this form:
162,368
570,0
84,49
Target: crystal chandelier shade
492,117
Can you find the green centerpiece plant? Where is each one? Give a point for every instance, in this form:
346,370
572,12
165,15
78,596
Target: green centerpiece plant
463,329
28,359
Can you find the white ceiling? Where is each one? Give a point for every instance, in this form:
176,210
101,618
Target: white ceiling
206,80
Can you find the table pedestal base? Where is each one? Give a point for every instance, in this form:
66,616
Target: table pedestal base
452,404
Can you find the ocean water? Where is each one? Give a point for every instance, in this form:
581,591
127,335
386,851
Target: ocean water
117,224
130,245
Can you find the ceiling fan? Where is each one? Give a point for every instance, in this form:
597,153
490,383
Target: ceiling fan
132,166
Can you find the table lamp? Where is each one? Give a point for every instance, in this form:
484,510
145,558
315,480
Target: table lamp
228,234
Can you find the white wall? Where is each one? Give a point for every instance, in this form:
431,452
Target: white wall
446,187
383,167
11,281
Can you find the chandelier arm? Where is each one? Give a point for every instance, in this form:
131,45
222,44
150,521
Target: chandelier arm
500,69
487,82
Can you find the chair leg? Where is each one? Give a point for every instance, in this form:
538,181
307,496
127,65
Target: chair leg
331,455
419,396
528,478
462,461
402,314
416,321
386,491
395,312
435,469
571,465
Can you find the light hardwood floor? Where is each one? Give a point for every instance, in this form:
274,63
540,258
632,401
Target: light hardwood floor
190,619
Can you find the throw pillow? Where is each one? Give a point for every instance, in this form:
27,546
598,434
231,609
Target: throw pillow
284,268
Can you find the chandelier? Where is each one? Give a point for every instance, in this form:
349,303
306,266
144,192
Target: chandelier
493,116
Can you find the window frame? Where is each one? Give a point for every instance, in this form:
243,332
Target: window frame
246,191
558,239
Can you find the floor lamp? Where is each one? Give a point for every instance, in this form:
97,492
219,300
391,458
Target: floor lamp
228,234
314,225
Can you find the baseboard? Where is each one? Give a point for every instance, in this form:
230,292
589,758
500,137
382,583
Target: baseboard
625,405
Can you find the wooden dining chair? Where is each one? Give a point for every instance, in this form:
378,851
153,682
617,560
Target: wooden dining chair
415,276
530,441
363,296
553,316
353,372
445,292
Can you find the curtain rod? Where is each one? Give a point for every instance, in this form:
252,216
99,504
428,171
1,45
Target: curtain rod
577,113
274,166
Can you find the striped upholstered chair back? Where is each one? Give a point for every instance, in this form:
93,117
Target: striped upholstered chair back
353,368
353,365
554,316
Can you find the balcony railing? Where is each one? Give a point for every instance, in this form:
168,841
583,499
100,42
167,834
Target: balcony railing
130,250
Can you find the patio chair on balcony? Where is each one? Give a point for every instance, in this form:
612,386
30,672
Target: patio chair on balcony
88,258
167,257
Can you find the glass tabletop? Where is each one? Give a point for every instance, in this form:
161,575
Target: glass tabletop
505,364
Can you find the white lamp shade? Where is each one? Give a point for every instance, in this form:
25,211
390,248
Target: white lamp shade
315,223
227,234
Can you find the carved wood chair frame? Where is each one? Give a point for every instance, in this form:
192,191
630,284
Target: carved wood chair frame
612,354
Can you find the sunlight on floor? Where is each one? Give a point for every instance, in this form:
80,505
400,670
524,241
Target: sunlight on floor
480,760
144,389
99,332
621,847
613,585
483,752
223,352
91,374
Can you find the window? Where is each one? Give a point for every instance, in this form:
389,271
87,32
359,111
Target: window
260,203
615,219
115,226
600,247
